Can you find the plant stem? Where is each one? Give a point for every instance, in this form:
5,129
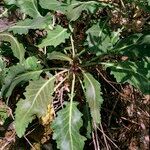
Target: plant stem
82,52
72,89
70,109
58,85
3,14
72,44
99,63
55,68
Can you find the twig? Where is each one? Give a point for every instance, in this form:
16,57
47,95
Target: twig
11,114
95,140
122,3
109,120
29,142
109,139
1,15
9,140
58,85
109,82
104,137
130,121
61,96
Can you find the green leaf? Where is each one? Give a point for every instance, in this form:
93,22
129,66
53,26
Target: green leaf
58,56
10,2
136,45
55,37
22,27
2,71
20,73
135,73
2,63
66,128
37,97
17,48
29,7
53,5
93,96
99,38
87,124
32,63
75,9
4,113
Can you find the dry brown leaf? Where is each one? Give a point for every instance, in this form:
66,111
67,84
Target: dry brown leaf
48,118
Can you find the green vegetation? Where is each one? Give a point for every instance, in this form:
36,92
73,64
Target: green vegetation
60,54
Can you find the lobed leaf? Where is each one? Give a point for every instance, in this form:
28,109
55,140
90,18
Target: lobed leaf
53,5
99,38
19,74
135,73
22,27
66,128
93,96
55,37
29,7
75,9
37,97
17,48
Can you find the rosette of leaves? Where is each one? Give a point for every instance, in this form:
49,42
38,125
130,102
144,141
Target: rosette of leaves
38,96
100,41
